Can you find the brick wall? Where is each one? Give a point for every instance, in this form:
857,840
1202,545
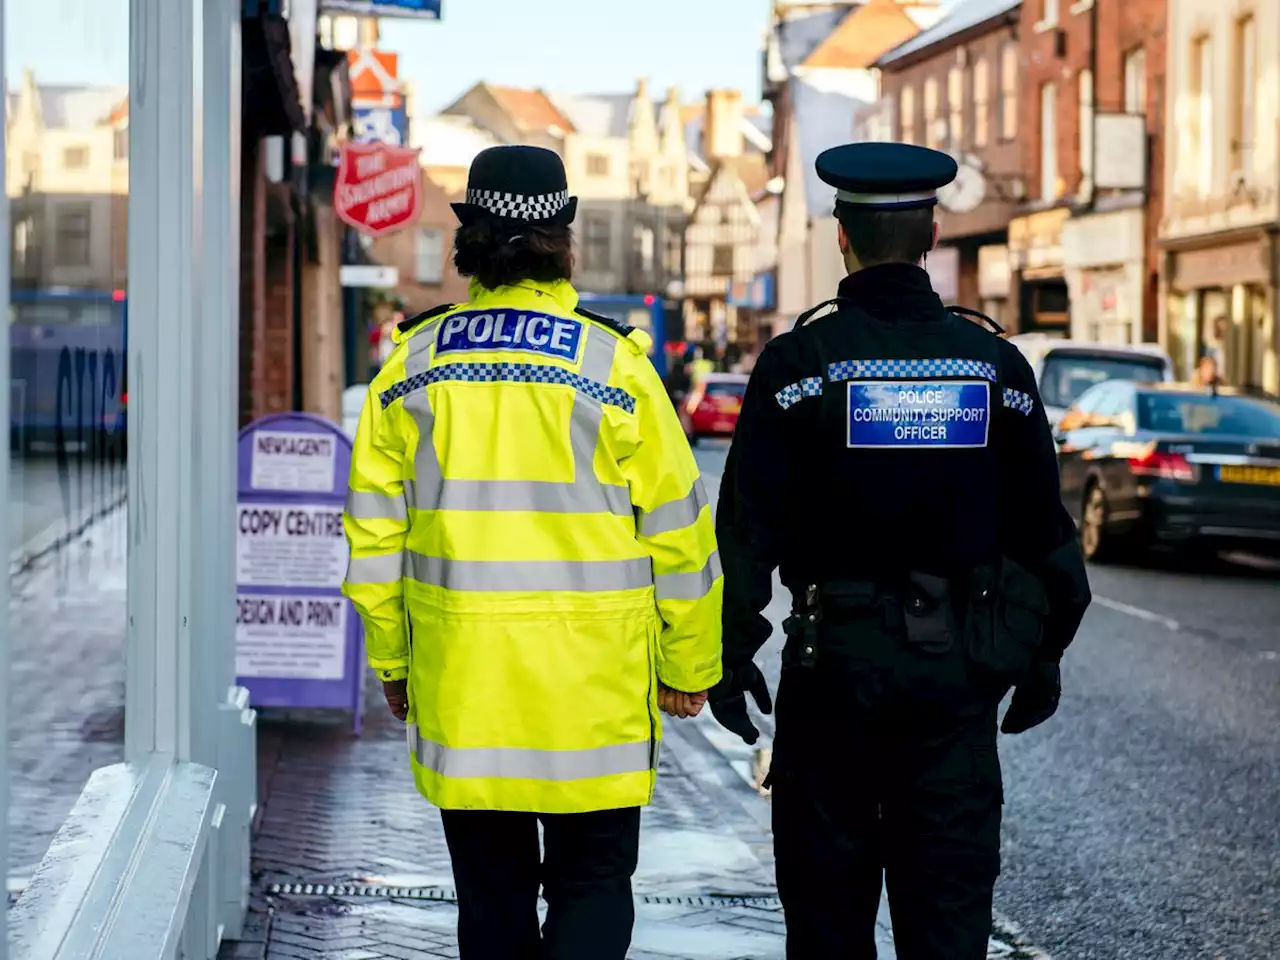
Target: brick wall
253,228
1058,55
266,291
399,249
276,395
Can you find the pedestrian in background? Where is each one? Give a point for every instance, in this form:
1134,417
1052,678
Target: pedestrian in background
893,461
534,559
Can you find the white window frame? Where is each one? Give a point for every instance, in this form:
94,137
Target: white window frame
424,237
1135,80
1049,142
1244,120
1202,80
1084,111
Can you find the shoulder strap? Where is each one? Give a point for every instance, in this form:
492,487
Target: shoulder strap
404,326
617,326
804,317
977,315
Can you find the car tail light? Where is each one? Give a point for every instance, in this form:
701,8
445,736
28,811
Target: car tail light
1166,466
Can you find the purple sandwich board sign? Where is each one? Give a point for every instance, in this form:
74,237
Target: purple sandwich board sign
298,640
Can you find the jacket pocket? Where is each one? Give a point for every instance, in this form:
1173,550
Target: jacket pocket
1004,621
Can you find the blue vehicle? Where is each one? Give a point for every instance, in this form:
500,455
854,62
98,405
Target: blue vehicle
645,312
67,366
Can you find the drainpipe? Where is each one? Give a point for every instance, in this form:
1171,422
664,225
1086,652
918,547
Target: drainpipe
1093,109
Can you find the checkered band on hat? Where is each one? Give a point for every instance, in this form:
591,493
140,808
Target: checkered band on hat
515,206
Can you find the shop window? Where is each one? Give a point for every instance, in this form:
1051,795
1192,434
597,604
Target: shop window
597,245
981,103
1009,91
67,61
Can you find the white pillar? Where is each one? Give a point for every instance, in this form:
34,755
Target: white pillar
216,421
4,532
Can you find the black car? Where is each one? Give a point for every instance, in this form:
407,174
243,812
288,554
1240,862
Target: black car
1142,463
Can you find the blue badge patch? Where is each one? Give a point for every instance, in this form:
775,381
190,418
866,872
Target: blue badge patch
518,330
914,414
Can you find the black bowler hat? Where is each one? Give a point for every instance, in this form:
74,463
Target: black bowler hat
875,175
519,184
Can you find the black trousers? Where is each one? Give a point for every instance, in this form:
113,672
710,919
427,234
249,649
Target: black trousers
885,771
585,879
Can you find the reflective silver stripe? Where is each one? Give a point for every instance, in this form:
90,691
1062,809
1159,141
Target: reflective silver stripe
385,568
523,763
689,586
538,496
588,414
533,576
676,514
362,505
423,492
420,346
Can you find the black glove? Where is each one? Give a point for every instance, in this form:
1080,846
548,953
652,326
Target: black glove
1035,700
728,700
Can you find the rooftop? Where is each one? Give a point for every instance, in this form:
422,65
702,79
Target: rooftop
863,36
530,109
966,15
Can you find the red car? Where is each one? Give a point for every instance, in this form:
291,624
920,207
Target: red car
712,407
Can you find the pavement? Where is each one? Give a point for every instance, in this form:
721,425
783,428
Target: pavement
1140,823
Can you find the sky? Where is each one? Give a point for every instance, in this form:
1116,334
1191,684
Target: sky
585,46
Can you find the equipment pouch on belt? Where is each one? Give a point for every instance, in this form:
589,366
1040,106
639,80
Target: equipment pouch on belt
1004,620
929,616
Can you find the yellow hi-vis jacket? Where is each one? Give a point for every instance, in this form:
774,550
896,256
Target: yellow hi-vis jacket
531,545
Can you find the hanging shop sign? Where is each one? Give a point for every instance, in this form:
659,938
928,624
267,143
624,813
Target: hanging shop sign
298,641
404,9
378,188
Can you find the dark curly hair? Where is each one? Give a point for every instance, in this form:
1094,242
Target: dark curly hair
500,254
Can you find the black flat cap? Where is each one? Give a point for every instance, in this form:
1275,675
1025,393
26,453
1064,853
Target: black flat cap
518,184
875,175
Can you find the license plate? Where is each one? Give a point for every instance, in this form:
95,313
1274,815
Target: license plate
1265,476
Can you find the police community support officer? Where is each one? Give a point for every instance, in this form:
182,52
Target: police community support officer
893,461
532,550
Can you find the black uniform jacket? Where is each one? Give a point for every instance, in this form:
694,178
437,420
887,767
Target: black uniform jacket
799,497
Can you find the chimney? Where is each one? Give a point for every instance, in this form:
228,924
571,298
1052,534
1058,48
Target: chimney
672,132
722,126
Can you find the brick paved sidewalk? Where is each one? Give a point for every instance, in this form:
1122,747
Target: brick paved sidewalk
337,810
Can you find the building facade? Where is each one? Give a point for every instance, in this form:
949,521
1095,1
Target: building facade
1083,251
818,76
626,162
954,87
1220,229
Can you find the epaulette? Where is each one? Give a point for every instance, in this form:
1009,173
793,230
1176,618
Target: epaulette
404,326
977,315
617,326
801,320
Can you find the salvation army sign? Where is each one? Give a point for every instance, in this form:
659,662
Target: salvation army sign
379,187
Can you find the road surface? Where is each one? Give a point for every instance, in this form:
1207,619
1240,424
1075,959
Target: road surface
1143,821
